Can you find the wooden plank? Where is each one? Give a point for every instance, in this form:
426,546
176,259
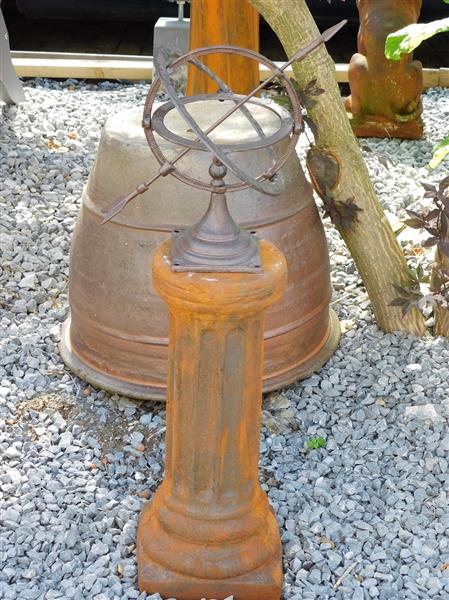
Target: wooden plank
115,66
79,56
83,66
444,78
431,77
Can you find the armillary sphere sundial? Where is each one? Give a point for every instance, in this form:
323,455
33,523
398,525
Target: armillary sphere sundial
217,243
209,530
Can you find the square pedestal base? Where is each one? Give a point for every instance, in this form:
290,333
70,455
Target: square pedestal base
376,126
263,584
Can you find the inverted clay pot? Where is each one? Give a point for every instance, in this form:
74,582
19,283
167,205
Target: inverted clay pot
117,334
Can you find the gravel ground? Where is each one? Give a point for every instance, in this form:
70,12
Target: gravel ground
364,517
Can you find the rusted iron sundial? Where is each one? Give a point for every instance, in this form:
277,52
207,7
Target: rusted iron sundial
217,243
209,530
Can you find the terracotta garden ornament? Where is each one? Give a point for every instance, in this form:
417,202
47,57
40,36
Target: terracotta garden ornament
209,531
385,98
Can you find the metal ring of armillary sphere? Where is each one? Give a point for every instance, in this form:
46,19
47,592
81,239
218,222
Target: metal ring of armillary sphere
154,122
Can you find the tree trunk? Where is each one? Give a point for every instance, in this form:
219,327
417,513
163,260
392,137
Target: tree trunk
442,322
371,241
233,22
442,314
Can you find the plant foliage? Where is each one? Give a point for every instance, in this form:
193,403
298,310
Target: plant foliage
325,171
440,151
436,224
436,221
408,38
306,97
342,213
315,443
323,165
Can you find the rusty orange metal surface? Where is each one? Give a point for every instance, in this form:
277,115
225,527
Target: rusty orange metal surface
234,22
209,531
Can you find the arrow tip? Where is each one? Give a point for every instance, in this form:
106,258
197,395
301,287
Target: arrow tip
114,209
329,33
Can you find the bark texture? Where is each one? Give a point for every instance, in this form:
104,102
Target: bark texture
371,241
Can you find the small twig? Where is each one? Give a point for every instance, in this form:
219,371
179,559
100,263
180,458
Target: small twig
156,433
59,367
343,576
342,297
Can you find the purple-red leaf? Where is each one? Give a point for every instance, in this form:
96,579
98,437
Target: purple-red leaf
398,302
432,230
444,183
428,187
413,213
433,214
444,222
414,223
433,241
443,247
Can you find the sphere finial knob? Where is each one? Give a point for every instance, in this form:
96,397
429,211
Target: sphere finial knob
217,171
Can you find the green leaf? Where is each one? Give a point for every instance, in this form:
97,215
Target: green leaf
315,443
408,38
440,151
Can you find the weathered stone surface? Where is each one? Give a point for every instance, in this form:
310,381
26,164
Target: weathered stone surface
209,530
385,98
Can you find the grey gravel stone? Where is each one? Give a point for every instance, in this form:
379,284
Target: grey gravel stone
358,594
10,514
71,538
370,507
136,439
444,444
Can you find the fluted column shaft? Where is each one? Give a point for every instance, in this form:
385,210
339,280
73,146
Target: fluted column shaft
213,413
209,530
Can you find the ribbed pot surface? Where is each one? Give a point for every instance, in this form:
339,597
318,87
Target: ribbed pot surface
116,335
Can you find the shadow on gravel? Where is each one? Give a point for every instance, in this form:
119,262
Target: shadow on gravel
107,424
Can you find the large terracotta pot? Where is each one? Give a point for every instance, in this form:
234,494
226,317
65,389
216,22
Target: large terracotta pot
116,335
385,96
